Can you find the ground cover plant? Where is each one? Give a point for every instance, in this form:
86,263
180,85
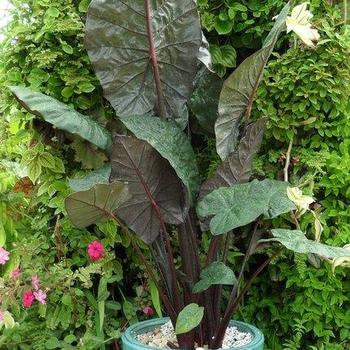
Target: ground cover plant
153,177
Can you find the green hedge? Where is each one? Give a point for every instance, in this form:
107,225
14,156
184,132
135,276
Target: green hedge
306,94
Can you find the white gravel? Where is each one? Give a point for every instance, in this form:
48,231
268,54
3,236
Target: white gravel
160,337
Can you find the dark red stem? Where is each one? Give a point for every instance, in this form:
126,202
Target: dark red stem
219,336
164,298
153,58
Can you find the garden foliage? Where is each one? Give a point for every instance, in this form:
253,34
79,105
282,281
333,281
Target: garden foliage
37,161
311,106
49,57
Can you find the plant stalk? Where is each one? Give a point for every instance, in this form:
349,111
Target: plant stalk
222,329
286,167
153,58
228,312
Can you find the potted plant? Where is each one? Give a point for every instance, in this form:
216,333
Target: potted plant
149,57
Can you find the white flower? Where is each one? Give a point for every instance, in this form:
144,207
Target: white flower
301,201
299,23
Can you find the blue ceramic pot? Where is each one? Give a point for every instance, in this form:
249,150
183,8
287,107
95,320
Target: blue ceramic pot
130,342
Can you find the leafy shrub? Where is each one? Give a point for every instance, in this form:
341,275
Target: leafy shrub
236,25
310,105
48,55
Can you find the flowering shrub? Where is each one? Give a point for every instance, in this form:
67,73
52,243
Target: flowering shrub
4,256
54,299
38,238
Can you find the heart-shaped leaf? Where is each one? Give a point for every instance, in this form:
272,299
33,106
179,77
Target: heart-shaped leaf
156,192
239,90
236,168
95,205
241,204
296,241
144,52
216,273
189,318
172,144
63,117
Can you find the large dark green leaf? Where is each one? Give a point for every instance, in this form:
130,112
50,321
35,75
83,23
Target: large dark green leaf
205,98
241,204
216,273
189,318
237,166
99,176
172,144
118,41
239,90
95,205
63,117
296,241
152,183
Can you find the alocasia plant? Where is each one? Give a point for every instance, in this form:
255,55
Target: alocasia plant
146,55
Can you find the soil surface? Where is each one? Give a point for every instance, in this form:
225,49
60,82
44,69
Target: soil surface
164,337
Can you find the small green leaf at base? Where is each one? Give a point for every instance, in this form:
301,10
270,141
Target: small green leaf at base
189,318
155,298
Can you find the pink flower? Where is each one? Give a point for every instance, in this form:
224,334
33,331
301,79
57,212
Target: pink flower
35,282
28,298
148,311
1,315
95,250
4,256
40,296
16,273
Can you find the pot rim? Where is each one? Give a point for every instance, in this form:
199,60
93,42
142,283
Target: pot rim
129,337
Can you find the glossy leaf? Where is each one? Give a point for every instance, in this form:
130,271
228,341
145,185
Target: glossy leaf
63,117
237,166
95,205
118,39
239,90
172,144
216,273
296,241
152,184
241,204
189,318
99,176
205,98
